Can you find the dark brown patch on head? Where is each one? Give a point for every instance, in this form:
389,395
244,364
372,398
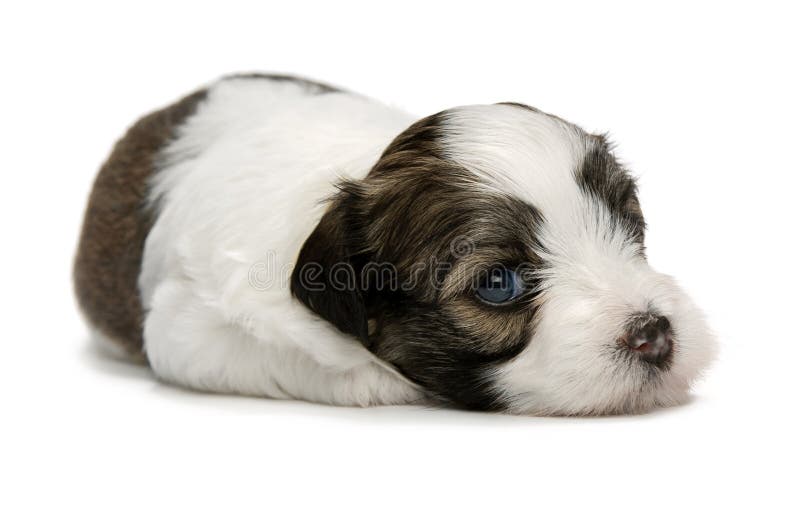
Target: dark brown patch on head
437,230
603,178
116,223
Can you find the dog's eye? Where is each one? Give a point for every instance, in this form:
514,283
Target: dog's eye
500,285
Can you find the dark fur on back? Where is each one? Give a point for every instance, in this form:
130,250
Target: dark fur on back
116,224
313,86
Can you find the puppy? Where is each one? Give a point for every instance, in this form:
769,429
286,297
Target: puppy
275,236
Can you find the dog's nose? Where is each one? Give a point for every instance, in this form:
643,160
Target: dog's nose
650,337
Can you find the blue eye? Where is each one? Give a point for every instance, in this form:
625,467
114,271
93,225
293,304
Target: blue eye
500,285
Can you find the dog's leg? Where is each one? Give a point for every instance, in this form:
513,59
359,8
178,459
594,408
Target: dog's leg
190,343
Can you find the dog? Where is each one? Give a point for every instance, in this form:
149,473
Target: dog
274,236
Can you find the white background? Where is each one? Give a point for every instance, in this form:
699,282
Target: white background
702,100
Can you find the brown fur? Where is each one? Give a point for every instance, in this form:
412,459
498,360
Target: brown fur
116,225
425,217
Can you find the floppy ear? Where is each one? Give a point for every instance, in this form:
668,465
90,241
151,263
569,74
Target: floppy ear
327,276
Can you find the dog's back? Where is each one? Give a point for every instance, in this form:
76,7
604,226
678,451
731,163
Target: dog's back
238,169
118,218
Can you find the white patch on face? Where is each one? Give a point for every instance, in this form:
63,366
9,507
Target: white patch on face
594,278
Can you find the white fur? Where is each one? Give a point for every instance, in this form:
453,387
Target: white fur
243,183
239,192
594,282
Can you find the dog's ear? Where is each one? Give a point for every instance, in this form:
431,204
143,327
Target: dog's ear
327,275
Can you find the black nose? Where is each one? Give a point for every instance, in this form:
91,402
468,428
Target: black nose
650,337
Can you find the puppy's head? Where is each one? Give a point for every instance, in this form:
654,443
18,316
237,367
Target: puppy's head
494,255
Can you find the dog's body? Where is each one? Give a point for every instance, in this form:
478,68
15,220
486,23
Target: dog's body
207,214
